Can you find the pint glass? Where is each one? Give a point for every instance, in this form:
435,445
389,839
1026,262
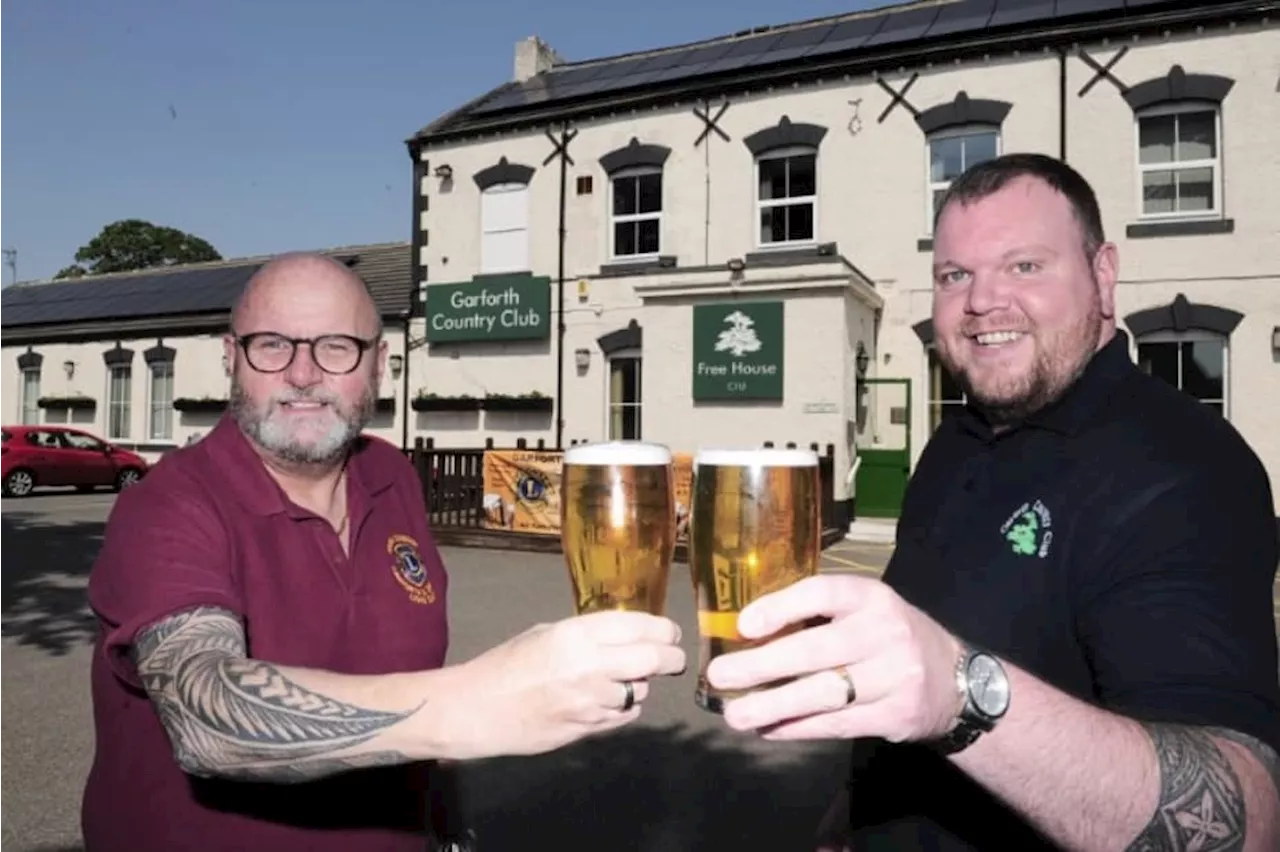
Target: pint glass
618,525
755,527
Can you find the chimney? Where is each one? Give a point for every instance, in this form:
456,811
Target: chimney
534,56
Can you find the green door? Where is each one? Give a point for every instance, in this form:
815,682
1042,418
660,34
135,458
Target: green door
884,445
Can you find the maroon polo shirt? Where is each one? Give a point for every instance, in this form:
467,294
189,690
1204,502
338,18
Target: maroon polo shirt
209,526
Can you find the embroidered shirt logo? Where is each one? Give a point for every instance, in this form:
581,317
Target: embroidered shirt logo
1028,530
409,570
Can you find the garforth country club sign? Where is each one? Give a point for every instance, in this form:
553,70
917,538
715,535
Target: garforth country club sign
498,307
737,350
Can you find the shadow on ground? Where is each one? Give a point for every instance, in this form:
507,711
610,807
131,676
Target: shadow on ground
46,571
664,789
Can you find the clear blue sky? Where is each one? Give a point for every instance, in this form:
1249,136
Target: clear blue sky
288,116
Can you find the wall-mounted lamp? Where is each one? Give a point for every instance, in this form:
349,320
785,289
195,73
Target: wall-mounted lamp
582,358
396,363
737,264
444,172
69,367
862,359
1275,339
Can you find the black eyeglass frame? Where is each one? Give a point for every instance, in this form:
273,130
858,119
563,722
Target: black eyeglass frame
244,341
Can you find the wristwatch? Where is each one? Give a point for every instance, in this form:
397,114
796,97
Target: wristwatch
984,690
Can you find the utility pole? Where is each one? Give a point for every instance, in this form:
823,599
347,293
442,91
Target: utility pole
11,261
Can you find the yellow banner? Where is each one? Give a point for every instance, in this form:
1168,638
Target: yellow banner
522,491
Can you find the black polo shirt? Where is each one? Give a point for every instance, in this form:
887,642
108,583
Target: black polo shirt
1120,545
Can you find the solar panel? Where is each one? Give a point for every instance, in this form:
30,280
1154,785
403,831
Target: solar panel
155,294
1009,12
848,36
903,26
1083,7
794,44
963,17
742,54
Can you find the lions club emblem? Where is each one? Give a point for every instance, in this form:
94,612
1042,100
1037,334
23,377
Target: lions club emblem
409,570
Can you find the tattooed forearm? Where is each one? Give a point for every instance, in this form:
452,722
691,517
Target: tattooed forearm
1263,753
1201,803
234,717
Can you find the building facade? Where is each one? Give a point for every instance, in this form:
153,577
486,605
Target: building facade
136,357
694,245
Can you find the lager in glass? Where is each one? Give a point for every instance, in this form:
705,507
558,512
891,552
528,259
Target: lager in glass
755,527
618,525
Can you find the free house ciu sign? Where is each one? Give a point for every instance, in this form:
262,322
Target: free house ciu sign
499,307
737,350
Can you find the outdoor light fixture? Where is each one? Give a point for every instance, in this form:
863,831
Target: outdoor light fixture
444,172
863,360
396,363
69,367
582,357
1275,339
737,264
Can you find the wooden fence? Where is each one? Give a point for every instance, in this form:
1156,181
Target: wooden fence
453,487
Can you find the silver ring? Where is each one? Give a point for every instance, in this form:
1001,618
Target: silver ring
850,693
630,700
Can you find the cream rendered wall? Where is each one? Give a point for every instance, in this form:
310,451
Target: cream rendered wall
197,373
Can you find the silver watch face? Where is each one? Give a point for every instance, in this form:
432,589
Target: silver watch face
988,686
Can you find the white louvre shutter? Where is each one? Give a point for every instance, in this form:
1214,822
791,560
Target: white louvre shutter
504,240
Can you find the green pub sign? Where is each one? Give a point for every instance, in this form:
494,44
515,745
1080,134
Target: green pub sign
494,307
737,350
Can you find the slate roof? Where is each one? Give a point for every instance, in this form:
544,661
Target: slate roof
874,40
187,290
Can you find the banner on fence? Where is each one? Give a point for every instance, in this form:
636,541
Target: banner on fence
522,491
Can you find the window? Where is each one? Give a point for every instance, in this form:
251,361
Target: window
1178,162
624,397
945,396
637,213
504,241
30,413
1193,362
950,153
81,441
786,196
119,395
160,398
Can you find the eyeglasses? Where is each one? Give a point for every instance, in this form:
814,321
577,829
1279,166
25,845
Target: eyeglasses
268,352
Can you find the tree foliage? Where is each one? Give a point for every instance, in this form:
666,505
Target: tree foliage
137,244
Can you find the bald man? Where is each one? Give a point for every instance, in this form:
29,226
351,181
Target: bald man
269,673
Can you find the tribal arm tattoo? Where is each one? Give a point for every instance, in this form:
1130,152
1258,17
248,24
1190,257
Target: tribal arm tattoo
1202,801
234,717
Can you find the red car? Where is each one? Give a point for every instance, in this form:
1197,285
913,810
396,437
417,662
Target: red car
35,456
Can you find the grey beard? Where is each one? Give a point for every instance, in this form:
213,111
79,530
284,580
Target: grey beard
257,424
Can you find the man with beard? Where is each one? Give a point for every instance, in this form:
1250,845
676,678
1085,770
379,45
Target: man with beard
1073,645
270,672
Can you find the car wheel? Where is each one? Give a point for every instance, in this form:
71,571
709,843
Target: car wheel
127,477
19,483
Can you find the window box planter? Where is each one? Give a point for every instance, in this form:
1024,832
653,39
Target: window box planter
78,403
203,406
445,403
518,403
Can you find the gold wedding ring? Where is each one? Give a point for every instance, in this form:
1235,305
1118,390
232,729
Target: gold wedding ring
851,694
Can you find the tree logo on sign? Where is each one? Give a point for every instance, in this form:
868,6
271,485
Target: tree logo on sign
740,338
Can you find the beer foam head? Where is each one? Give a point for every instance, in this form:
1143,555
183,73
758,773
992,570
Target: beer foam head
618,452
763,457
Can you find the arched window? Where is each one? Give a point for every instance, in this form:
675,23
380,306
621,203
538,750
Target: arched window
635,200
1188,345
786,183
504,217
959,134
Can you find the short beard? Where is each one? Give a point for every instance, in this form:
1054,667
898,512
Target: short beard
1053,372
272,436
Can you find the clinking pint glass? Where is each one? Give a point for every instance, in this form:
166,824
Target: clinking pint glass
755,527
618,525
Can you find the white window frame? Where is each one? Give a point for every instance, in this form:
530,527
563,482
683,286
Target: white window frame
761,204
29,406
116,374
614,219
1195,336
488,265
162,406
930,398
622,355
1140,169
932,186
